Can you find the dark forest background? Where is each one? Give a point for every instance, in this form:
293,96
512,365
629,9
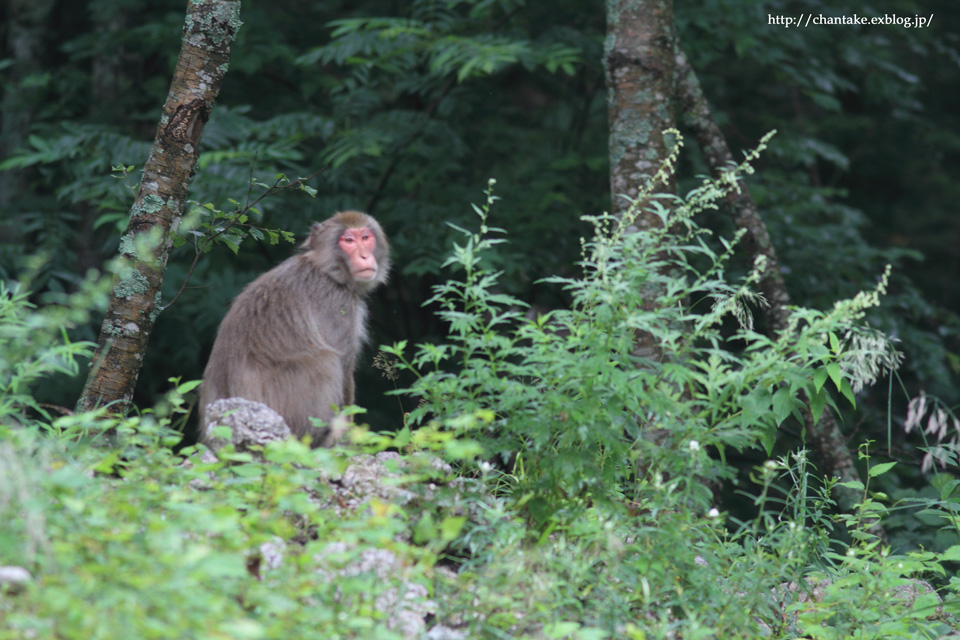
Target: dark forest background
407,108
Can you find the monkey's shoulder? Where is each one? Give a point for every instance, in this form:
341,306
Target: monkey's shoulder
297,276
289,289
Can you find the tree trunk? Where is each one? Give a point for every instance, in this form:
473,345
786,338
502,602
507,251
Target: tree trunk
641,81
639,66
826,440
209,31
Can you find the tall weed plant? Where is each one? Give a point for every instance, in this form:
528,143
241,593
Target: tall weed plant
569,407
603,450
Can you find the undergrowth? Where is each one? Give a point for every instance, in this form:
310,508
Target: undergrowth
581,505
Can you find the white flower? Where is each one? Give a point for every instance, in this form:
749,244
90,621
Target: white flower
694,445
915,411
713,513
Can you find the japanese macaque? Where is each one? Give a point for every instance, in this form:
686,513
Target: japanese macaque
291,338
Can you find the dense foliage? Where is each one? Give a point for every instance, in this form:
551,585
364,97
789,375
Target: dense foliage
520,372
407,111
596,531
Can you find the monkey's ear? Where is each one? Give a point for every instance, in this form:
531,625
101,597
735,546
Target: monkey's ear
313,238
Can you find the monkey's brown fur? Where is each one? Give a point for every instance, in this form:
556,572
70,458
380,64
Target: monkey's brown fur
291,338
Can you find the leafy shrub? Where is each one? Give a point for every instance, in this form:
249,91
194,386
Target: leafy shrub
156,548
604,451
569,404
35,343
582,509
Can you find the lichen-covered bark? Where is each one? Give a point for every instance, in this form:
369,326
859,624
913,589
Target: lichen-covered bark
209,30
641,85
825,438
639,65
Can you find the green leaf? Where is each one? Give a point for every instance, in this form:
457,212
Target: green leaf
560,629
221,431
835,373
220,565
756,405
834,343
848,392
425,530
462,449
768,438
952,554
232,241
189,386
243,629
879,469
853,484
451,527
819,377
828,103
108,463
783,404
931,517
947,487
817,404
248,470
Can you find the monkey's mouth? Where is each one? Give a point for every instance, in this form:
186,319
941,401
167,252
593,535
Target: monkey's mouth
365,274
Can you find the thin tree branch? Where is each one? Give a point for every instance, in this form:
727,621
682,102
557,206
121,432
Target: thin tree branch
199,251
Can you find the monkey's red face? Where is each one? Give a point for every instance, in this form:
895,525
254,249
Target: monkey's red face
358,245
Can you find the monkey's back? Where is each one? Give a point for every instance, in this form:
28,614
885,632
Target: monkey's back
289,340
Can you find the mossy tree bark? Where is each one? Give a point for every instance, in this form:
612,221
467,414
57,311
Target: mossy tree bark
209,31
639,65
641,81
825,437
